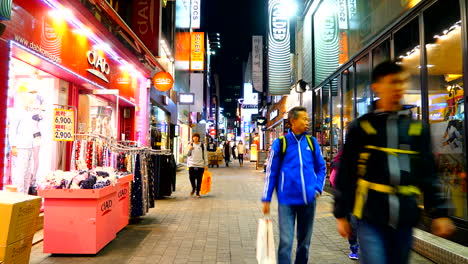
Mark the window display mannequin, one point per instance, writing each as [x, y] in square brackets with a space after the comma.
[21, 135]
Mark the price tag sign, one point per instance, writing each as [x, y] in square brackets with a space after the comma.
[64, 125]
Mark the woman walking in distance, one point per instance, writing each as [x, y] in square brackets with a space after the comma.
[240, 153]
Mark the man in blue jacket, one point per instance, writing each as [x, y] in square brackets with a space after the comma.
[296, 170]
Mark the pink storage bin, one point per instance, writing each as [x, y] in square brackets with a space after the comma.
[79, 221]
[123, 201]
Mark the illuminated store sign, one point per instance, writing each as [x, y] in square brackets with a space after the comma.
[279, 66]
[195, 14]
[100, 65]
[198, 51]
[186, 98]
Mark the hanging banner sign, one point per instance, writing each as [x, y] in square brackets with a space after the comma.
[64, 125]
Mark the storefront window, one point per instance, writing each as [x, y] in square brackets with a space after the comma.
[159, 128]
[367, 18]
[407, 51]
[335, 129]
[327, 122]
[318, 114]
[446, 99]
[381, 53]
[348, 98]
[31, 153]
[363, 98]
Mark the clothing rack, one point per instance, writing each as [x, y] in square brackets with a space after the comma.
[126, 146]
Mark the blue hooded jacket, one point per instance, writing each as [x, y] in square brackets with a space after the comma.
[299, 175]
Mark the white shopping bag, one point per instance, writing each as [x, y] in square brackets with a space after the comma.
[265, 242]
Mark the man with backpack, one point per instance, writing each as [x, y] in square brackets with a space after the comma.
[296, 170]
[197, 163]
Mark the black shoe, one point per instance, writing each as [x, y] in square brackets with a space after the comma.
[192, 192]
[198, 195]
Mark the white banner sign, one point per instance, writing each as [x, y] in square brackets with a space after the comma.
[257, 63]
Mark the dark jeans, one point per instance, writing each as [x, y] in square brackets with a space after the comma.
[353, 240]
[288, 215]
[383, 244]
[196, 176]
[241, 158]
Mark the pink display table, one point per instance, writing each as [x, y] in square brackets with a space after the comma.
[79, 221]
[123, 201]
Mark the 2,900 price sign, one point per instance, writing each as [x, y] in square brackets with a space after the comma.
[64, 125]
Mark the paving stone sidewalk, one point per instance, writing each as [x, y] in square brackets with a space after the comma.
[220, 227]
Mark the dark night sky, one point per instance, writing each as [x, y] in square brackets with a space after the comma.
[236, 21]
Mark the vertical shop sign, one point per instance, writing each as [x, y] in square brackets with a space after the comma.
[197, 51]
[146, 23]
[195, 14]
[327, 40]
[279, 64]
[343, 26]
[64, 125]
[257, 63]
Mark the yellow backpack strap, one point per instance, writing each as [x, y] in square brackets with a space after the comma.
[311, 144]
[283, 144]
[415, 129]
[367, 127]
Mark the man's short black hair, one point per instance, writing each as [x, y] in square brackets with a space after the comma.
[294, 112]
[385, 68]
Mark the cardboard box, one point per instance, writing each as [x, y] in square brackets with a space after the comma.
[16, 253]
[18, 216]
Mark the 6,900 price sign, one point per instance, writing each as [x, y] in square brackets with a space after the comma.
[64, 125]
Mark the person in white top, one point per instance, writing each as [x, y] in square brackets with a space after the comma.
[197, 163]
[240, 153]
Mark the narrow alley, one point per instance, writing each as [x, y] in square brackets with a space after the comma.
[220, 227]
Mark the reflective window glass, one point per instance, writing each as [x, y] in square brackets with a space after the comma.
[326, 124]
[348, 98]
[363, 98]
[407, 52]
[335, 128]
[446, 99]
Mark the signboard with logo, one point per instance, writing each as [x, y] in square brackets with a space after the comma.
[100, 68]
[64, 125]
[197, 51]
[163, 81]
[195, 14]
[327, 40]
[145, 23]
[279, 65]
[62, 43]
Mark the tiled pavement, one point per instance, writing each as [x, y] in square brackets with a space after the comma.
[217, 228]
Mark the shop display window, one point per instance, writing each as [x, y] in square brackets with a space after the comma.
[363, 96]
[443, 42]
[97, 116]
[30, 150]
[381, 53]
[317, 105]
[347, 80]
[335, 129]
[408, 54]
[327, 122]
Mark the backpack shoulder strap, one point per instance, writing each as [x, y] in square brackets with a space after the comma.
[311, 144]
[283, 144]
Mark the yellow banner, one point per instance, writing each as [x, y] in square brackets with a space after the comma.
[64, 125]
